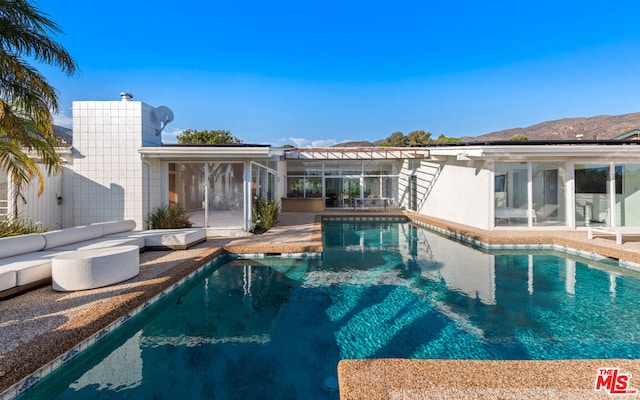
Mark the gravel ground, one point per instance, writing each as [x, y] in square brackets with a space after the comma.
[39, 325]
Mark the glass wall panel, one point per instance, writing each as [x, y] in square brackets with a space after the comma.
[549, 193]
[333, 192]
[304, 187]
[271, 192]
[510, 194]
[295, 168]
[371, 186]
[350, 190]
[340, 191]
[344, 180]
[592, 195]
[263, 181]
[226, 195]
[313, 187]
[295, 187]
[389, 187]
[342, 168]
[380, 167]
[628, 195]
[186, 187]
[313, 168]
[256, 181]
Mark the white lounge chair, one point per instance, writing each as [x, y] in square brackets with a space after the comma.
[618, 231]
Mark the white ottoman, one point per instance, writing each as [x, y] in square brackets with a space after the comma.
[88, 269]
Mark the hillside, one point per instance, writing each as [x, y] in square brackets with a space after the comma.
[602, 127]
[65, 134]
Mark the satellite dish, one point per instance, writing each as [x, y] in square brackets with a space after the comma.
[165, 115]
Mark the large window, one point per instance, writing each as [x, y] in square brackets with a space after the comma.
[548, 193]
[510, 194]
[263, 181]
[592, 195]
[304, 179]
[341, 181]
[212, 193]
[594, 179]
[529, 193]
[627, 194]
[607, 194]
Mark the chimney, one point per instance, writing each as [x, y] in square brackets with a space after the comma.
[126, 96]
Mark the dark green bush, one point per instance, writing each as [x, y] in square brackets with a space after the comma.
[18, 226]
[168, 217]
[265, 213]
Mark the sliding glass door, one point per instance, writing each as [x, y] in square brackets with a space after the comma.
[212, 193]
[510, 194]
[530, 194]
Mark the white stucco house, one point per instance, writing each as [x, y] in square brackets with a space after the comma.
[118, 168]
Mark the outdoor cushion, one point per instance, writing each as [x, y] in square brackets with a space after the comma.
[175, 238]
[111, 227]
[7, 279]
[169, 238]
[29, 267]
[14, 245]
[71, 235]
[104, 242]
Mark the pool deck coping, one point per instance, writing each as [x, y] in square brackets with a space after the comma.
[41, 326]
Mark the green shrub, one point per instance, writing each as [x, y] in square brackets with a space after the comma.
[168, 217]
[265, 213]
[18, 226]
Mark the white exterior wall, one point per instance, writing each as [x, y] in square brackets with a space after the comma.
[43, 209]
[109, 181]
[52, 208]
[67, 195]
[458, 191]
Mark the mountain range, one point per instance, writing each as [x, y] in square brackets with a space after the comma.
[602, 127]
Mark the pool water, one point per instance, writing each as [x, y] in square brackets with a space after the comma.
[275, 328]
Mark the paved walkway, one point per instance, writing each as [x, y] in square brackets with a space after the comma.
[38, 326]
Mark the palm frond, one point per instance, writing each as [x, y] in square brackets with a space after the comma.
[25, 32]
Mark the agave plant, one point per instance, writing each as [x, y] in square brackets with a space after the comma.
[168, 217]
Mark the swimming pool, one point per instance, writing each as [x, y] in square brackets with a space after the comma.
[277, 327]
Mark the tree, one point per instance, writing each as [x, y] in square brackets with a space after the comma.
[418, 137]
[192, 136]
[27, 100]
[396, 139]
[519, 138]
[443, 139]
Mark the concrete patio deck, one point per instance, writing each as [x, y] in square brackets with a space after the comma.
[37, 326]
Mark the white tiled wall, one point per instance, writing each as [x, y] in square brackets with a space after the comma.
[108, 183]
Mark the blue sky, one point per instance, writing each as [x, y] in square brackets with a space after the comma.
[319, 73]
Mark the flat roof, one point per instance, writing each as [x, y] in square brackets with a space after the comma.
[208, 151]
